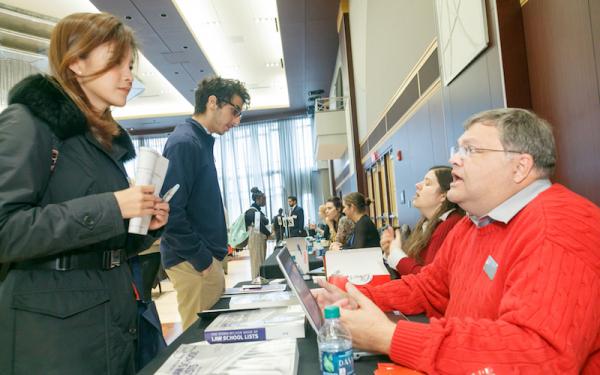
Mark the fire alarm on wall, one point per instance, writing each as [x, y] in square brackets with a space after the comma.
[399, 155]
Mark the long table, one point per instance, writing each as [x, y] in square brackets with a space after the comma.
[308, 363]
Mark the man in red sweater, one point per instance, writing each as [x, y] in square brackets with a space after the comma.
[515, 288]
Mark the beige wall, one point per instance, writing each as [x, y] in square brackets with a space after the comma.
[358, 10]
[388, 38]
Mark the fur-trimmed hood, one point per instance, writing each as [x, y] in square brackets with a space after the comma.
[47, 101]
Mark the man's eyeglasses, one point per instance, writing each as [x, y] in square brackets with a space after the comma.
[466, 151]
[237, 111]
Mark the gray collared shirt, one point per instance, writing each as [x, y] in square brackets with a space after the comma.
[510, 207]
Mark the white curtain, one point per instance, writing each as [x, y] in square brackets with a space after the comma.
[11, 72]
[275, 156]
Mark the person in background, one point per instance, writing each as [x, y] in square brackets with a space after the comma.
[297, 213]
[515, 288]
[67, 304]
[339, 226]
[320, 227]
[365, 233]
[278, 228]
[257, 222]
[195, 240]
[438, 217]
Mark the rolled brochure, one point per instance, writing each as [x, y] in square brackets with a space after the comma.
[151, 170]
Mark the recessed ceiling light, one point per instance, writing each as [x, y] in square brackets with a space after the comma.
[220, 30]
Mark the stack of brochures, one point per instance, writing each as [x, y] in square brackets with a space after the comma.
[257, 301]
[270, 357]
[257, 325]
[254, 289]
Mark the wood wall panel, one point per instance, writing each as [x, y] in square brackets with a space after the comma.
[348, 76]
[563, 72]
[514, 55]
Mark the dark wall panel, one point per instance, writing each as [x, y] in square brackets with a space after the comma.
[429, 72]
[408, 97]
[561, 38]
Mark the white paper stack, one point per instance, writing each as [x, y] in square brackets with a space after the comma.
[257, 325]
[151, 170]
[262, 300]
[277, 357]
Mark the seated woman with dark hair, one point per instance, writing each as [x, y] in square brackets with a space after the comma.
[339, 227]
[365, 233]
[438, 217]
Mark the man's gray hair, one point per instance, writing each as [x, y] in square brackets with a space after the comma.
[522, 130]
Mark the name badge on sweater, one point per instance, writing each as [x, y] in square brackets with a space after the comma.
[490, 267]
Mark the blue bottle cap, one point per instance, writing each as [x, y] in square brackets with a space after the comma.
[332, 312]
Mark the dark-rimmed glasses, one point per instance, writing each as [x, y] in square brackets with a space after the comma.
[466, 151]
[237, 111]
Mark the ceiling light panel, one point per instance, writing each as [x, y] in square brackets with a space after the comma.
[241, 40]
[152, 95]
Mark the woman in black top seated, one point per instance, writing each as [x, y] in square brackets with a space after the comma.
[365, 233]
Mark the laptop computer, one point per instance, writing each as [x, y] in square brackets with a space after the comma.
[307, 300]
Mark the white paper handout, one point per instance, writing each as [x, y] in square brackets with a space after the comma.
[151, 170]
[276, 357]
[355, 262]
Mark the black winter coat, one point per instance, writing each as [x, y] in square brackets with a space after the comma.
[62, 322]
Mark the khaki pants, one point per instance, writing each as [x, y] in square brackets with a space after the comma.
[257, 246]
[196, 292]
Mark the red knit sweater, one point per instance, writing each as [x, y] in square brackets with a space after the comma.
[539, 315]
[409, 265]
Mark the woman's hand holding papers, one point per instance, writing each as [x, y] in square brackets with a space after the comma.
[139, 201]
[370, 328]
[160, 215]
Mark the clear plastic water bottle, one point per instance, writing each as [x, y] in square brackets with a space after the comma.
[309, 244]
[335, 345]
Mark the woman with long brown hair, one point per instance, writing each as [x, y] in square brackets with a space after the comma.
[438, 217]
[340, 228]
[365, 232]
[66, 297]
